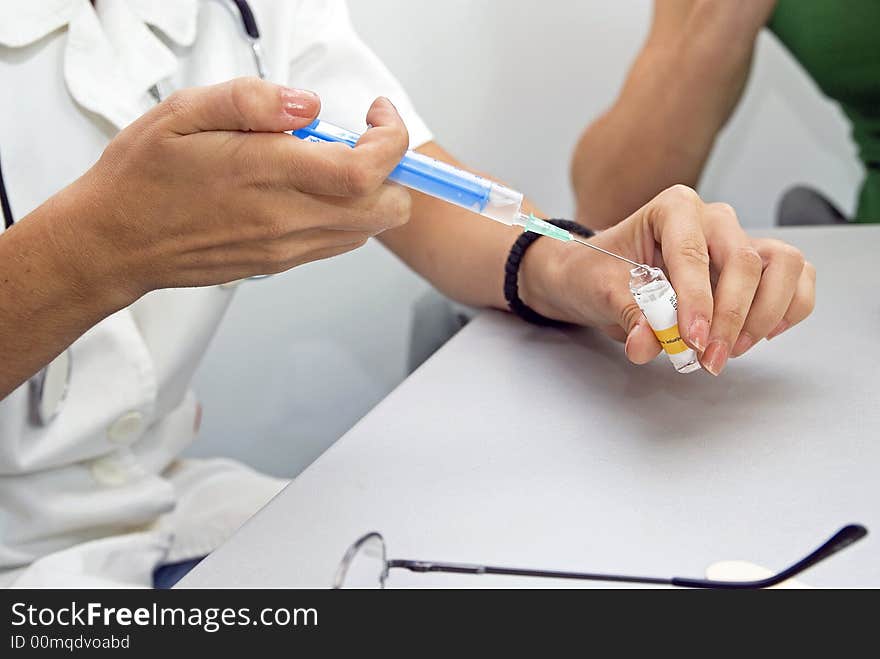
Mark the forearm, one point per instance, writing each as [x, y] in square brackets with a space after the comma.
[678, 95]
[461, 254]
[49, 293]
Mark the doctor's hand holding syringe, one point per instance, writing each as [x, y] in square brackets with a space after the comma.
[208, 187]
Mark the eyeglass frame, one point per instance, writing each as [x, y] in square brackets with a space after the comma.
[845, 537]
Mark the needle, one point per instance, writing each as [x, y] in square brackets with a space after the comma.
[605, 251]
[536, 225]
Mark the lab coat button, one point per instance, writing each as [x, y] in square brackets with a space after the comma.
[125, 428]
[108, 471]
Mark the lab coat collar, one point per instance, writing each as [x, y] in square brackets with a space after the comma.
[111, 58]
[23, 21]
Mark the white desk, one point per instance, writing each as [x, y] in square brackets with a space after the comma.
[527, 447]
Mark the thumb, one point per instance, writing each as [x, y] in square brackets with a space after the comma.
[628, 323]
[641, 345]
[242, 104]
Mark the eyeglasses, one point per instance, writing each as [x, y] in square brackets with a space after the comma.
[366, 565]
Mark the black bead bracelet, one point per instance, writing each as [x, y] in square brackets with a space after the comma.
[511, 272]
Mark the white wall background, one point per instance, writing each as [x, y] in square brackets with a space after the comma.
[506, 85]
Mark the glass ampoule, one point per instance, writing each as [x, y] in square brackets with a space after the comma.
[657, 300]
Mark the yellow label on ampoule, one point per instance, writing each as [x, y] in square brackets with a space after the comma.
[671, 340]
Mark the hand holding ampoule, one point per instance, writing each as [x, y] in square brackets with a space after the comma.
[733, 290]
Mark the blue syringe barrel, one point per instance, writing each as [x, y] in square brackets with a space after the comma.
[435, 178]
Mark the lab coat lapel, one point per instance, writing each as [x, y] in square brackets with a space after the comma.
[24, 21]
[177, 19]
[110, 64]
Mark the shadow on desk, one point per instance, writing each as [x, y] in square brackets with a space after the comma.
[692, 404]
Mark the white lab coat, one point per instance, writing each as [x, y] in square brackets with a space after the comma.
[99, 496]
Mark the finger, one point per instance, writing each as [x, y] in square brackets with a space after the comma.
[338, 170]
[802, 304]
[779, 282]
[386, 141]
[741, 268]
[386, 208]
[243, 104]
[675, 216]
[642, 346]
[320, 253]
[737, 284]
[283, 254]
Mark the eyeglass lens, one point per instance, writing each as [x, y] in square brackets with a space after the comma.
[364, 564]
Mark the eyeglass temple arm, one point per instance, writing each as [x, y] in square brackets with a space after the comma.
[465, 568]
[840, 540]
[836, 543]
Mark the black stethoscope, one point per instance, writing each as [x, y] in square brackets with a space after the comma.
[48, 388]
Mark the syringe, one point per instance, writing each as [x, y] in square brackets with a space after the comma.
[456, 186]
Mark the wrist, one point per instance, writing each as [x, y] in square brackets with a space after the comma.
[79, 251]
[542, 279]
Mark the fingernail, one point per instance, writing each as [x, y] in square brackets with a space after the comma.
[299, 103]
[715, 357]
[698, 333]
[780, 328]
[743, 344]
